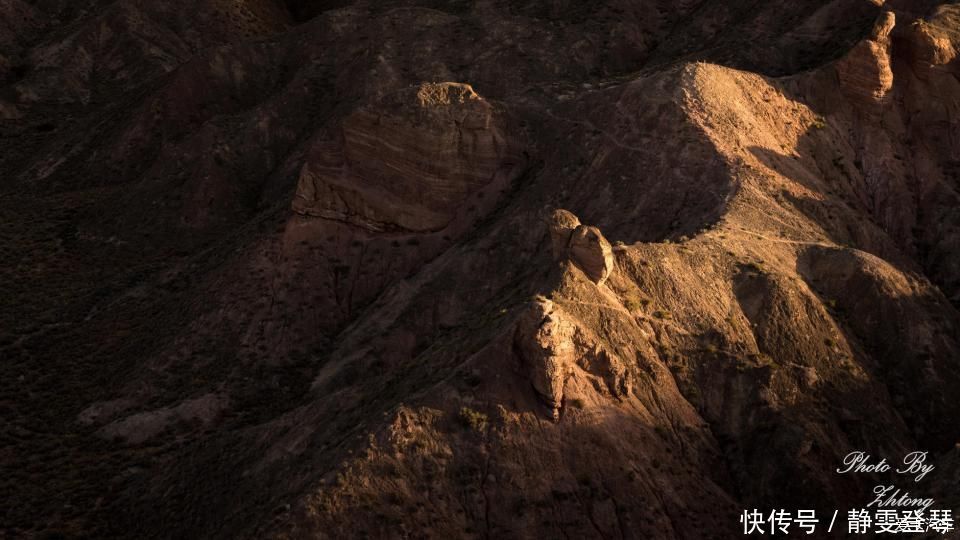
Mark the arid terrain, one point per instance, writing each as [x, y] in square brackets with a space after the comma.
[472, 268]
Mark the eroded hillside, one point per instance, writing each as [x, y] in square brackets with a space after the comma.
[471, 269]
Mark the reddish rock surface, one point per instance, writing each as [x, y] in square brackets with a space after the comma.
[317, 268]
[409, 161]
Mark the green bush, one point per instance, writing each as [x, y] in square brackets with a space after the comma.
[632, 301]
[472, 419]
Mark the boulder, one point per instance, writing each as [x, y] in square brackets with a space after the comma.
[592, 253]
[583, 245]
[562, 223]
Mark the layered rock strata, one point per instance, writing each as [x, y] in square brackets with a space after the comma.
[409, 160]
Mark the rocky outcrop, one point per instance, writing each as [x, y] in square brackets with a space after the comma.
[562, 223]
[409, 160]
[553, 345]
[140, 427]
[865, 74]
[933, 42]
[592, 253]
[583, 245]
[546, 344]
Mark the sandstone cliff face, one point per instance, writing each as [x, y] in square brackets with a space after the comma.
[904, 152]
[269, 279]
[865, 74]
[933, 42]
[409, 161]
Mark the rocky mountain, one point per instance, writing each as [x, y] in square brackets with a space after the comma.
[473, 268]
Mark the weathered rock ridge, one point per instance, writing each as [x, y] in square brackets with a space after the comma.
[410, 160]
